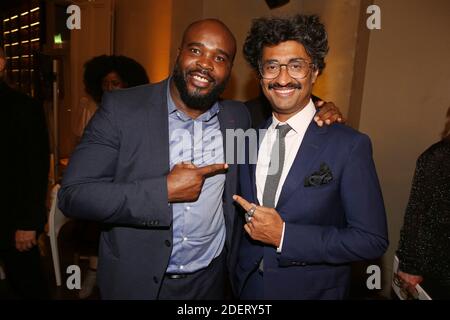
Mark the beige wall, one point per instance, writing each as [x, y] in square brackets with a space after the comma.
[143, 32]
[341, 20]
[406, 95]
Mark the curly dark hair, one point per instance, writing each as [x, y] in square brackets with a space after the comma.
[129, 70]
[305, 29]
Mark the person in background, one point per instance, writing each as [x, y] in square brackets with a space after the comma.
[106, 73]
[102, 74]
[424, 247]
[23, 216]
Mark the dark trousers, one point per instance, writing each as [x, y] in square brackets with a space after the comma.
[24, 274]
[205, 284]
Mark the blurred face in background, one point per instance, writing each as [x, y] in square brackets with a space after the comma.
[112, 81]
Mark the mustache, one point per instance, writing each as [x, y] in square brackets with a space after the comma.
[290, 85]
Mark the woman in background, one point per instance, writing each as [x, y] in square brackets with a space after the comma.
[424, 248]
[106, 73]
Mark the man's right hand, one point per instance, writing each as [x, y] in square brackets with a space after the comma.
[185, 180]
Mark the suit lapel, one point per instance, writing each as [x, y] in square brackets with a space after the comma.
[227, 121]
[158, 120]
[312, 145]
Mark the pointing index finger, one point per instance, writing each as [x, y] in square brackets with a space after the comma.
[242, 202]
[212, 169]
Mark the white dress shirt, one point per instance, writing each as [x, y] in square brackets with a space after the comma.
[299, 123]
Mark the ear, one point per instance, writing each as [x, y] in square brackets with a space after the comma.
[315, 74]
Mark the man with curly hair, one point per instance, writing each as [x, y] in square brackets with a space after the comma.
[313, 201]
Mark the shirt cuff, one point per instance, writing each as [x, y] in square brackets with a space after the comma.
[282, 238]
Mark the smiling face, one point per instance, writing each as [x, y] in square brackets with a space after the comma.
[286, 94]
[203, 65]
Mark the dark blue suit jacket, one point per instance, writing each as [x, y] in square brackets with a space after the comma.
[327, 226]
[117, 175]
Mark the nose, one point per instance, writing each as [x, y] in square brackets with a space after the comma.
[205, 63]
[283, 78]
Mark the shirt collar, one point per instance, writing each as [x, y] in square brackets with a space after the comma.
[172, 108]
[300, 121]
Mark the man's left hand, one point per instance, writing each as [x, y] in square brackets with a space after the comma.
[265, 225]
[328, 113]
[25, 240]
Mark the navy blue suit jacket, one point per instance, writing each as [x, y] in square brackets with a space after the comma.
[117, 175]
[327, 226]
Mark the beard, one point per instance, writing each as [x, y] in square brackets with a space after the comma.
[196, 100]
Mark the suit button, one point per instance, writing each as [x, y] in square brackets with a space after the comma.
[167, 242]
[303, 264]
[155, 279]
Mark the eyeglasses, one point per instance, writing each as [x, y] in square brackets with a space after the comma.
[298, 69]
[406, 291]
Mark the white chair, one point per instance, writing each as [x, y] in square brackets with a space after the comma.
[56, 220]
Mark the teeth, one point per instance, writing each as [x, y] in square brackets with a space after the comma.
[201, 79]
[285, 91]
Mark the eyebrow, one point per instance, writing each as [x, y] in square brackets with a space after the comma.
[199, 44]
[291, 60]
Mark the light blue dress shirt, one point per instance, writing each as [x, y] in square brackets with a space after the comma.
[198, 227]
